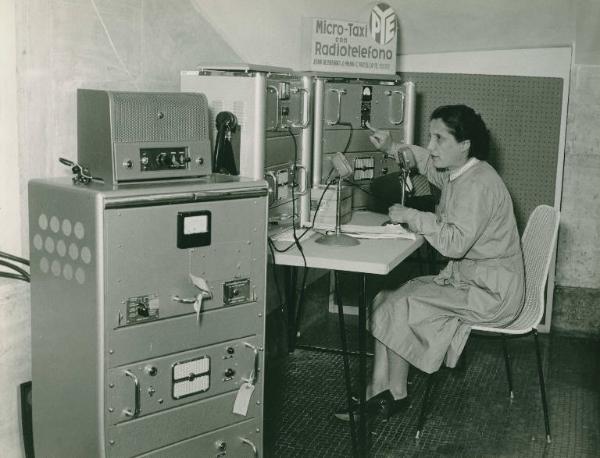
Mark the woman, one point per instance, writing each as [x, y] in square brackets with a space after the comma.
[427, 320]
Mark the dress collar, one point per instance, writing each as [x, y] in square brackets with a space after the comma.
[458, 172]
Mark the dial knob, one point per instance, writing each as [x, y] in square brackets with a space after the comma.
[151, 370]
[229, 372]
[163, 159]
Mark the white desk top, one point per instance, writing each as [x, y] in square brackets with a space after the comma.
[371, 256]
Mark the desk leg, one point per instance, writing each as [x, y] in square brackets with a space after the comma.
[290, 303]
[347, 375]
[362, 367]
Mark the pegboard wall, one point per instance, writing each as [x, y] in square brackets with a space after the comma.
[523, 116]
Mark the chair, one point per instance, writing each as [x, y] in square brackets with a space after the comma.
[538, 243]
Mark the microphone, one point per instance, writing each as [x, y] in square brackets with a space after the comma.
[341, 165]
[343, 169]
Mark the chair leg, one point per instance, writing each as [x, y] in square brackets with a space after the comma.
[425, 404]
[508, 369]
[542, 386]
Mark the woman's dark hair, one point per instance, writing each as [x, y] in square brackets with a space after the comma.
[465, 124]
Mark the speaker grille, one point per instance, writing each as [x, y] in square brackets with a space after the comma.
[159, 117]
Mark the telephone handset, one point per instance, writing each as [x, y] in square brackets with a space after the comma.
[223, 159]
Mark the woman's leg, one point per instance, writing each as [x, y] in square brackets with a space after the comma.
[380, 377]
[398, 374]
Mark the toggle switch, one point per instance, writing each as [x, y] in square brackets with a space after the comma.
[143, 309]
[221, 445]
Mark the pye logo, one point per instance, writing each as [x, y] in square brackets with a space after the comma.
[382, 23]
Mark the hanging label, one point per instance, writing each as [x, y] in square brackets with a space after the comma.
[242, 400]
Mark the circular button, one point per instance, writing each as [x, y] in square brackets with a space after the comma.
[229, 372]
[151, 370]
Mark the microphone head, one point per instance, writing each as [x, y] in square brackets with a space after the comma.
[341, 165]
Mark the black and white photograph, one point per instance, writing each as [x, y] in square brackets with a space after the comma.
[275, 229]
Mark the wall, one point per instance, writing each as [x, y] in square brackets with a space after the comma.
[9, 177]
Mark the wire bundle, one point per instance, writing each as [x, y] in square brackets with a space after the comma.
[11, 262]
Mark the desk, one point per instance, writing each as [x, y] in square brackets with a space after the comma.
[371, 256]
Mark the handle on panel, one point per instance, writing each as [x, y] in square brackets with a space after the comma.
[254, 374]
[304, 181]
[276, 91]
[136, 386]
[339, 93]
[250, 444]
[305, 107]
[401, 111]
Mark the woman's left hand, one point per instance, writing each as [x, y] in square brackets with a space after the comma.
[398, 213]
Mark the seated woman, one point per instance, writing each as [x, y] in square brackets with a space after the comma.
[427, 320]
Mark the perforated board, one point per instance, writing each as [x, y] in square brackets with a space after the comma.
[523, 114]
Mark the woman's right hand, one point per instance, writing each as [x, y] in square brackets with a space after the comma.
[381, 139]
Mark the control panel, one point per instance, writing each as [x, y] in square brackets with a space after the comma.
[164, 158]
[365, 106]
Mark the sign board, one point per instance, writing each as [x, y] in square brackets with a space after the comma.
[334, 45]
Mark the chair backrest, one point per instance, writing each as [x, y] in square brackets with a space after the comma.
[538, 243]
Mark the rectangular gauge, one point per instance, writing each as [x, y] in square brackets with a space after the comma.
[193, 229]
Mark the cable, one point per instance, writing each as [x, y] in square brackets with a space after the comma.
[293, 244]
[349, 124]
[17, 269]
[12, 257]
[274, 270]
[14, 276]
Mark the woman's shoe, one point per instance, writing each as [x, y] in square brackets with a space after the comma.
[394, 407]
[373, 406]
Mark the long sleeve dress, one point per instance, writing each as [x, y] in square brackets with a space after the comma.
[429, 318]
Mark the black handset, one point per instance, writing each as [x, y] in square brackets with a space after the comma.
[223, 159]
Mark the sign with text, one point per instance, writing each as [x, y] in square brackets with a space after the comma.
[351, 46]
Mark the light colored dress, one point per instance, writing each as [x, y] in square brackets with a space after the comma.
[428, 319]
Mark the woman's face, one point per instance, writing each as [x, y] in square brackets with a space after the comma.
[445, 151]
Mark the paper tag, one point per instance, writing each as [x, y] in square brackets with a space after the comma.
[198, 306]
[200, 283]
[242, 400]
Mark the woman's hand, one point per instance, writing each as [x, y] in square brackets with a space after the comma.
[381, 139]
[398, 213]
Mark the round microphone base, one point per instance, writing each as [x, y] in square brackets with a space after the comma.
[337, 239]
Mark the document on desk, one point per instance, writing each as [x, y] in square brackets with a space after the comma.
[288, 235]
[366, 224]
[390, 231]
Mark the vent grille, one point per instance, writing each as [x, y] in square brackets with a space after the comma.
[159, 117]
